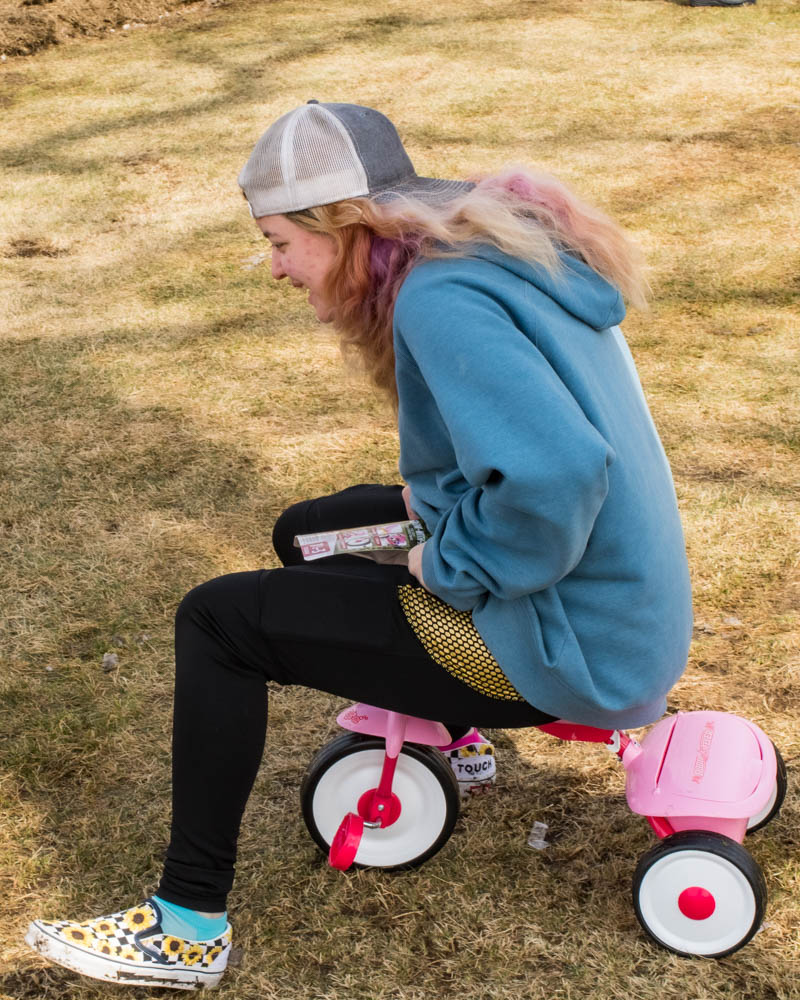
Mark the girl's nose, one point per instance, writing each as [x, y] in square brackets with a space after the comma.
[277, 270]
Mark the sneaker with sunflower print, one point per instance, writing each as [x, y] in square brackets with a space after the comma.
[473, 762]
[130, 948]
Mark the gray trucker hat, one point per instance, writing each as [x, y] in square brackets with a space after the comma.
[321, 153]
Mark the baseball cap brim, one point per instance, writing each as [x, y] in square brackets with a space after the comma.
[430, 190]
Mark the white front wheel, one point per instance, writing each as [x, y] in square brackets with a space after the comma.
[699, 893]
[423, 782]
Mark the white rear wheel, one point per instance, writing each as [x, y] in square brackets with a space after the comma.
[773, 807]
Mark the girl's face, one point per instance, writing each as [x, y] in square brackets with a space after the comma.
[305, 258]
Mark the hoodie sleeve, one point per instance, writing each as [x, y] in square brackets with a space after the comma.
[536, 468]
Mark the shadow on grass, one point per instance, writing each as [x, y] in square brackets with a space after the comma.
[242, 83]
[86, 469]
[54, 983]
[45, 154]
[151, 454]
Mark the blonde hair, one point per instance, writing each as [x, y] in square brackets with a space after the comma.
[528, 215]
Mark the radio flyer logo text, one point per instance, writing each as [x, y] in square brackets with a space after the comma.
[354, 717]
[703, 750]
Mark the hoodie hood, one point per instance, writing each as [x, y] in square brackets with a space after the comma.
[576, 288]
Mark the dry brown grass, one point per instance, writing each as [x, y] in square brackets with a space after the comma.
[162, 402]
[27, 26]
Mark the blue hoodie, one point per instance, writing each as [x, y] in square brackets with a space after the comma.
[534, 462]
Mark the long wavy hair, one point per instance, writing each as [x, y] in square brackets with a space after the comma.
[528, 215]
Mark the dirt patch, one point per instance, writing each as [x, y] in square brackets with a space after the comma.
[26, 26]
[33, 248]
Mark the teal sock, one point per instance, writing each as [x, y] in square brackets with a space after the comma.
[180, 922]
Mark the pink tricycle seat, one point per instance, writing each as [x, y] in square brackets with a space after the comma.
[371, 721]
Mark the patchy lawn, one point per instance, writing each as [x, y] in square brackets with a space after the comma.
[162, 401]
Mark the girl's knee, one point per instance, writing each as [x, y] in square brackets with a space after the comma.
[293, 521]
[215, 599]
[217, 628]
[196, 604]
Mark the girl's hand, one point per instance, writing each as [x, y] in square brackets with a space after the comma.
[415, 562]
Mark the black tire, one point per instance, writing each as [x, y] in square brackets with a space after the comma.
[429, 812]
[714, 864]
[759, 822]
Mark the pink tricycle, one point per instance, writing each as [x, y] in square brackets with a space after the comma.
[383, 796]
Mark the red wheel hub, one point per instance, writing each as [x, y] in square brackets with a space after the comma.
[376, 808]
[696, 903]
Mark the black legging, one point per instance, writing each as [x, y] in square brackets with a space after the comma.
[335, 625]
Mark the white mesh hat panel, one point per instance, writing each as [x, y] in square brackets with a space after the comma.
[306, 158]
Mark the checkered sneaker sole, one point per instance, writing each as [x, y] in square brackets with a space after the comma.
[130, 947]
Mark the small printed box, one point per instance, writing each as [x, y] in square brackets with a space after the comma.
[397, 535]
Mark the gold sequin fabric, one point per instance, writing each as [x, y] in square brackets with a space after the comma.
[451, 640]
